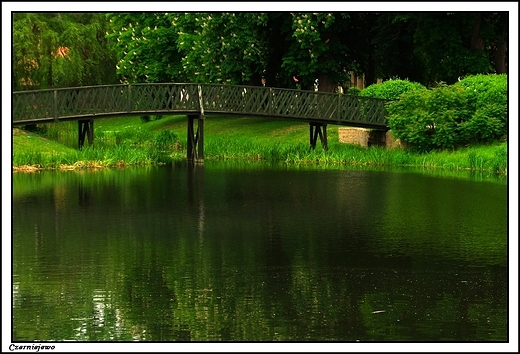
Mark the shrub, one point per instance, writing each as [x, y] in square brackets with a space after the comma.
[429, 119]
[391, 89]
[355, 91]
[487, 97]
[409, 119]
[487, 124]
[482, 90]
[474, 110]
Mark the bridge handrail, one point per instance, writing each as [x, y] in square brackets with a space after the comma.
[160, 98]
[186, 84]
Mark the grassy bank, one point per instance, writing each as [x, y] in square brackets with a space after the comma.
[128, 141]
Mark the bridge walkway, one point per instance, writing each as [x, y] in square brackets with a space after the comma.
[85, 104]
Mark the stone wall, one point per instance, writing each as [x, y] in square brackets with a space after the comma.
[368, 137]
[357, 136]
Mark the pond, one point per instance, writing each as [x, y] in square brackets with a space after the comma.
[231, 252]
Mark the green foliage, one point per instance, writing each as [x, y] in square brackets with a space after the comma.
[314, 38]
[222, 47]
[91, 58]
[429, 119]
[240, 48]
[328, 46]
[393, 48]
[471, 111]
[448, 106]
[355, 91]
[439, 46]
[487, 124]
[444, 42]
[33, 43]
[61, 50]
[487, 98]
[483, 86]
[409, 119]
[391, 89]
[482, 90]
[146, 46]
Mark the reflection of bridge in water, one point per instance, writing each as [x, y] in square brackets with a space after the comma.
[84, 104]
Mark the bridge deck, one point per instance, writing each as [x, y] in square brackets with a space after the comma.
[170, 98]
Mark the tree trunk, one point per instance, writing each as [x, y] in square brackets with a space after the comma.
[325, 83]
[501, 57]
[370, 75]
[476, 41]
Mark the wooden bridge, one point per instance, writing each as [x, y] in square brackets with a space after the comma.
[85, 104]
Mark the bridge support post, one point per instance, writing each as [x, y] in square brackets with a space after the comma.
[85, 130]
[195, 146]
[318, 130]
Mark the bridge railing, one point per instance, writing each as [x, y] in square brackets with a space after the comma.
[150, 98]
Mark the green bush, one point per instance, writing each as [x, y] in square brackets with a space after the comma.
[473, 110]
[430, 119]
[355, 91]
[410, 121]
[487, 124]
[482, 90]
[391, 89]
[487, 97]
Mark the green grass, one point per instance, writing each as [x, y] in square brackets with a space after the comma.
[129, 141]
[491, 158]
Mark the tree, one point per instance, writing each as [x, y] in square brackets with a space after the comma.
[440, 46]
[327, 46]
[61, 50]
[33, 42]
[241, 48]
[146, 47]
[394, 49]
[496, 36]
[309, 50]
[223, 47]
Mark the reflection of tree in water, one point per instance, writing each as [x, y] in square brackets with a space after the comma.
[277, 298]
[85, 195]
[151, 303]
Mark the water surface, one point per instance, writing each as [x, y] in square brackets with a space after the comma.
[232, 252]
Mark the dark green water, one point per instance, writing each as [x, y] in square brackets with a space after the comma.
[258, 253]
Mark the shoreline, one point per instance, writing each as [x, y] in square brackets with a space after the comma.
[86, 166]
[128, 142]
